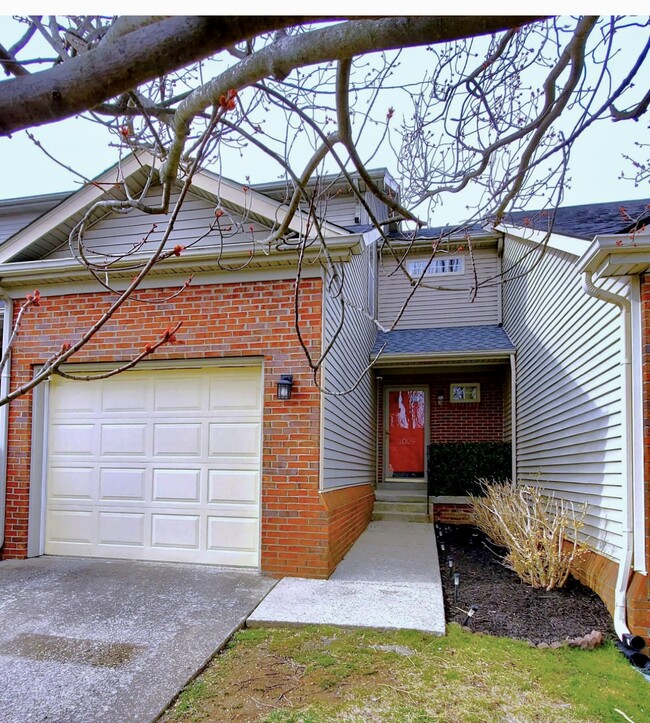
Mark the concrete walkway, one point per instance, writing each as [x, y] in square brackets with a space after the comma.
[390, 579]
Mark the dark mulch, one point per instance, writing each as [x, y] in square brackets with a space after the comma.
[505, 605]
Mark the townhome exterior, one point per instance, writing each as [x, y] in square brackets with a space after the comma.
[191, 456]
[536, 342]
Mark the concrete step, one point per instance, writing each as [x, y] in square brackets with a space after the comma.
[400, 516]
[400, 496]
[417, 507]
[421, 486]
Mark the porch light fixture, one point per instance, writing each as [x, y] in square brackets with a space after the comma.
[284, 386]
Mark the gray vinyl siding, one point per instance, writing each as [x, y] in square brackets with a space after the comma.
[117, 233]
[437, 308]
[340, 209]
[349, 420]
[568, 387]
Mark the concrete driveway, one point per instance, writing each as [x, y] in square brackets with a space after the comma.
[111, 641]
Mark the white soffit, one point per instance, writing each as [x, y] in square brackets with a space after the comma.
[617, 255]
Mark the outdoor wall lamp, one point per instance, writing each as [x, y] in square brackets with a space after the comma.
[441, 399]
[284, 386]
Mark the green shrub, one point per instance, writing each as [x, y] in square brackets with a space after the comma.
[455, 468]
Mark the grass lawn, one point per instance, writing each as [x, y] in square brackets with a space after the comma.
[322, 674]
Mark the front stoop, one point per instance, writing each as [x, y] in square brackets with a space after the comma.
[403, 502]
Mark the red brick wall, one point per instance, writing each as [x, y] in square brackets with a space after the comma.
[233, 320]
[599, 573]
[452, 422]
[452, 514]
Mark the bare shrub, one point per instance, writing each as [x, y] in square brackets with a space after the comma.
[539, 532]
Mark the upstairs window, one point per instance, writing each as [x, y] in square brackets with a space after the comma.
[447, 265]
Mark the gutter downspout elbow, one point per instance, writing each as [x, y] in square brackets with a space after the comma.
[4, 409]
[625, 562]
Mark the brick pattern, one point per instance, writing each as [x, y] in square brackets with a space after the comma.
[453, 514]
[599, 574]
[449, 422]
[302, 533]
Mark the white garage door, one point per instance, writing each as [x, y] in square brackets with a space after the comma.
[156, 465]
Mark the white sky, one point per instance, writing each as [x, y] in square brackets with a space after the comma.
[595, 166]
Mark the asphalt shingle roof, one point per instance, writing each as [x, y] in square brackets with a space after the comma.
[583, 222]
[591, 219]
[452, 340]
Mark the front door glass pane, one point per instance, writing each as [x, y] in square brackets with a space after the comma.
[406, 424]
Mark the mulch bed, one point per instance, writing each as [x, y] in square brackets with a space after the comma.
[505, 605]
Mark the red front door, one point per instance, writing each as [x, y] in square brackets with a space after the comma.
[406, 425]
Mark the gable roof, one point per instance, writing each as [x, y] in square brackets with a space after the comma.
[51, 229]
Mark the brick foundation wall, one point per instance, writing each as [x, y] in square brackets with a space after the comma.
[349, 511]
[299, 525]
[452, 514]
[599, 574]
[449, 422]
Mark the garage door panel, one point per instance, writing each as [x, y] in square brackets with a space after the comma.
[186, 394]
[151, 471]
[234, 440]
[72, 439]
[175, 531]
[70, 526]
[238, 394]
[124, 395]
[121, 528]
[176, 440]
[81, 398]
[72, 483]
[233, 486]
[177, 485]
[232, 533]
[122, 483]
[124, 440]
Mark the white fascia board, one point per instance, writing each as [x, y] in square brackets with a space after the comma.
[72, 205]
[617, 248]
[262, 205]
[567, 244]
[53, 270]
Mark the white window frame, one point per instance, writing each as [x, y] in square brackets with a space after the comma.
[446, 265]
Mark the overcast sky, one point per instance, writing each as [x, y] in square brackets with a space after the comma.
[596, 163]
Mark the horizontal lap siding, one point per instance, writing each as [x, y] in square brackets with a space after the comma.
[117, 233]
[434, 308]
[349, 419]
[568, 388]
[13, 222]
[340, 209]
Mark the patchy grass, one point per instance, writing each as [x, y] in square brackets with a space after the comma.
[320, 674]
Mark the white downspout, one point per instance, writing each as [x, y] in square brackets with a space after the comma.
[625, 562]
[4, 410]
